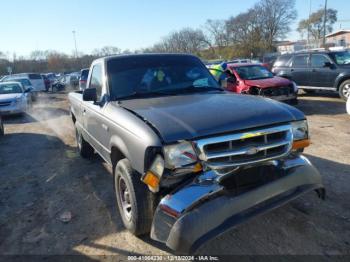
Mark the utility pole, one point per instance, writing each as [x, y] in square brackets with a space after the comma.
[324, 23]
[308, 27]
[75, 44]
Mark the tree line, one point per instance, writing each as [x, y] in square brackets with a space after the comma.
[250, 33]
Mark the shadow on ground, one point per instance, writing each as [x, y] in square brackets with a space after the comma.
[318, 105]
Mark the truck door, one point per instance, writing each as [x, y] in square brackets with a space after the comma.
[95, 124]
[300, 70]
[322, 75]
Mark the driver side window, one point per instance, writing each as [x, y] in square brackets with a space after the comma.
[96, 80]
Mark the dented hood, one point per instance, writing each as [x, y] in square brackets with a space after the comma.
[186, 117]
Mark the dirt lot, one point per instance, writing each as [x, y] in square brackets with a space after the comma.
[42, 176]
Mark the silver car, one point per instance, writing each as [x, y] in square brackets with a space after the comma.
[13, 98]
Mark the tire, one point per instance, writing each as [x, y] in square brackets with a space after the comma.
[344, 90]
[84, 148]
[135, 201]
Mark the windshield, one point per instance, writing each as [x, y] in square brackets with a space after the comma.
[10, 89]
[253, 72]
[342, 58]
[23, 81]
[158, 75]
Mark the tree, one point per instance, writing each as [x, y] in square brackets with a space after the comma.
[256, 30]
[187, 40]
[315, 24]
[275, 17]
[217, 32]
[106, 51]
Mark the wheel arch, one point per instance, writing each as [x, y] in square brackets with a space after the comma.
[340, 79]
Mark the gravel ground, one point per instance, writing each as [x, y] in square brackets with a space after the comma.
[42, 177]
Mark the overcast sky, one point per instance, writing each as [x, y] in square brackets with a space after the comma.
[42, 24]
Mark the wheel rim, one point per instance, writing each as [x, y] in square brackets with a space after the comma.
[124, 196]
[346, 90]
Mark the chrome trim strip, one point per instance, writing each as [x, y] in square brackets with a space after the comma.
[245, 150]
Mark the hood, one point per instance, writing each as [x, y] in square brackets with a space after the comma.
[268, 82]
[9, 97]
[187, 117]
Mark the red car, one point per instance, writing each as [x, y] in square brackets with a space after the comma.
[256, 79]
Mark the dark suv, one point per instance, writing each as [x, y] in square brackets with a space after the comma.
[317, 70]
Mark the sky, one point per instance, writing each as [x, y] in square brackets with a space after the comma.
[48, 24]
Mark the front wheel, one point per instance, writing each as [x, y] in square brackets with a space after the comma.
[135, 201]
[344, 90]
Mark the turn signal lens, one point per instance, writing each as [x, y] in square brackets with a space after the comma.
[197, 168]
[151, 180]
[301, 144]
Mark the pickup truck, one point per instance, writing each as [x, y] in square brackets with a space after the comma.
[190, 160]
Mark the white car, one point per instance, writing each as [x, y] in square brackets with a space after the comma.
[13, 98]
[27, 85]
[36, 80]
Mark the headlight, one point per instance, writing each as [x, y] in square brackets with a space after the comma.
[300, 130]
[179, 155]
[300, 135]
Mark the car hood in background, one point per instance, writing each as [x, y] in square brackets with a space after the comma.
[268, 82]
[198, 115]
[9, 97]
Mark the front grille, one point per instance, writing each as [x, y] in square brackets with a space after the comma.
[245, 148]
[5, 103]
[277, 91]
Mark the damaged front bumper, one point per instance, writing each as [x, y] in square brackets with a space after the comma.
[211, 204]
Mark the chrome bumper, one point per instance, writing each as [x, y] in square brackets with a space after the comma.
[204, 208]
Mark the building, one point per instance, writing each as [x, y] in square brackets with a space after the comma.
[289, 46]
[339, 38]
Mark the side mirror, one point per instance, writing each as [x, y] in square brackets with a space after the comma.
[90, 94]
[29, 89]
[328, 64]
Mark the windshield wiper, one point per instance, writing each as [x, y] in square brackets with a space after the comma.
[143, 95]
[193, 88]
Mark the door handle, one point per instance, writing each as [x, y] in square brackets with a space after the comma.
[292, 70]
